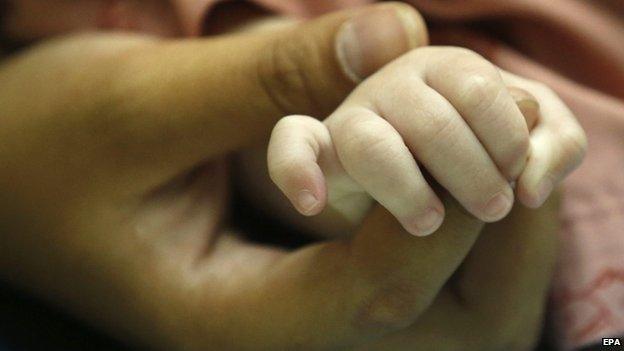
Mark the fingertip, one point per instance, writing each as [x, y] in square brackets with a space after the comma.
[361, 48]
[425, 223]
[534, 197]
[310, 198]
[304, 186]
[307, 203]
[498, 206]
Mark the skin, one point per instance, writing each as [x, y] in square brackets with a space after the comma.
[451, 111]
[100, 216]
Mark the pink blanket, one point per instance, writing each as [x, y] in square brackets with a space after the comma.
[575, 46]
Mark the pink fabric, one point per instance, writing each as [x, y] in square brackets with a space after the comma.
[193, 12]
[576, 46]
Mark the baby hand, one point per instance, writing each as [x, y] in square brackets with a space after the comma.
[447, 110]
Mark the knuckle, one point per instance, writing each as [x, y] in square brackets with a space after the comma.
[543, 88]
[460, 53]
[437, 128]
[480, 91]
[309, 129]
[292, 122]
[463, 58]
[286, 123]
[364, 142]
[393, 307]
[283, 76]
[358, 135]
[478, 85]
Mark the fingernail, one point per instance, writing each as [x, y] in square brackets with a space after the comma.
[306, 201]
[376, 36]
[498, 206]
[544, 189]
[428, 223]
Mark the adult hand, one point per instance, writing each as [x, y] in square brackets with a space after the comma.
[497, 298]
[96, 127]
[151, 108]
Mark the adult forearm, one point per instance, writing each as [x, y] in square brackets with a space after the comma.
[127, 97]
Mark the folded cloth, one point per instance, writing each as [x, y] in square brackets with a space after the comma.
[575, 46]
